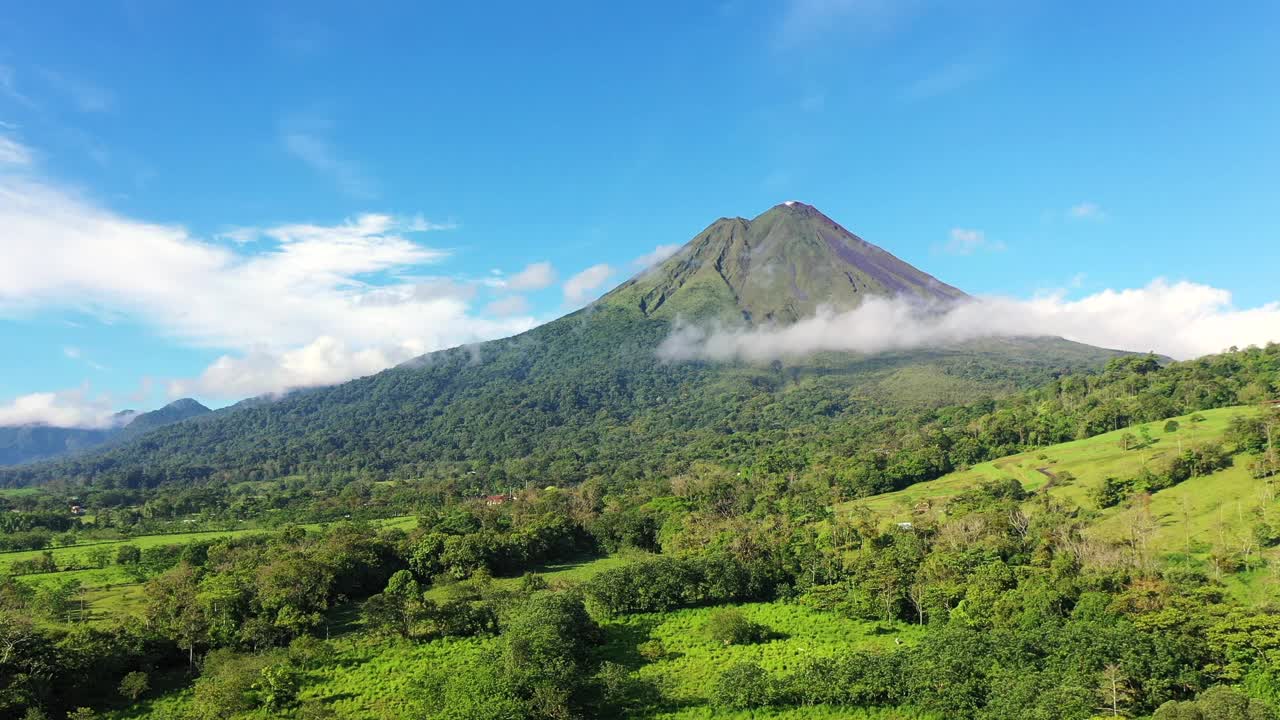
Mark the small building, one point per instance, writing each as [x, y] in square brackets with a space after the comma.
[906, 526]
[492, 500]
[77, 510]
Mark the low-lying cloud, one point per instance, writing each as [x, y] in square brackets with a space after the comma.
[67, 408]
[1181, 320]
[584, 286]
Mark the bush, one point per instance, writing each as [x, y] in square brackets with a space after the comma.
[1218, 703]
[730, 627]
[134, 685]
[652, 650]
[1171, 426]
[744, 686]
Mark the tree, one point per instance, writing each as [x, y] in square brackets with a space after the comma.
[128, 555]
[1115, 690]
[134, 685]
[173, 608]
[1109, 493]
[1171, 426]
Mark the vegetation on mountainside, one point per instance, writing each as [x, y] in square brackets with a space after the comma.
[1000, 604]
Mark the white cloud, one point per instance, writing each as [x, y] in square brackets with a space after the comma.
[324, 361]
[1182, 320]
[508, 306]
[581, 287]
[660, 253]
[319, 154]
[13, 152]
[967, 242]
[71, 352]
[1086, 211]
[536, 276]
[347, 284]
[67, 408]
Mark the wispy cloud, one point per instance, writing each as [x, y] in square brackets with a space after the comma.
[536, 276]
[657, 255]
[9, 87]
[1182, 319]
[1086, 211]
[319, 154]
[72, 352]
[806, 21]
[947, 79]
[582, 287]
[85, 96]
[13, 152]
[967, 242]
[508, 306]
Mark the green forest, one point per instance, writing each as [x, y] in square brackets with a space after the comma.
[760, 568]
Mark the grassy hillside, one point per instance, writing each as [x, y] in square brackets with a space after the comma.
[1191, 517]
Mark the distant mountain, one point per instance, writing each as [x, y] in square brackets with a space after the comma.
[176, 411]
[587, 395]
[28, 443]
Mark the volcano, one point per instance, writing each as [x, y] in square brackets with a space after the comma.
[587, 395]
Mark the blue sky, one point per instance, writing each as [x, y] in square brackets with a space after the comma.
[225, 199]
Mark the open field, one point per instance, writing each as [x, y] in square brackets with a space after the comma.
[1089, 460]
[1191, 514]
[695, 660]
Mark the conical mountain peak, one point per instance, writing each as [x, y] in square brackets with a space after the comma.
[777, 267]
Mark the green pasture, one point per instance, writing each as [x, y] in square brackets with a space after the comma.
[694, 660]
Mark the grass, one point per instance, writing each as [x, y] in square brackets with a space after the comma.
[1090, 460]
[694, 660]
[557, 575]
[1191, 517]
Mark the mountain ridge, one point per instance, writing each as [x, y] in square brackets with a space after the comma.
[35, 441]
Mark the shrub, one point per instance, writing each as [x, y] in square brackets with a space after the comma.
[1171, 426]
[744, 686]
[730, 627]
[652, 650]
[134, 685]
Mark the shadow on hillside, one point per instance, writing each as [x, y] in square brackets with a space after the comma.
[622, 643]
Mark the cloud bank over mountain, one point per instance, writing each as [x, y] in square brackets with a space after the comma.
[1181, 319]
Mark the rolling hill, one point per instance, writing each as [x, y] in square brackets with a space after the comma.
[587, 395]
